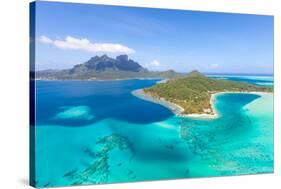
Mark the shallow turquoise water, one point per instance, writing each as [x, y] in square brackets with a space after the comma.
[264, 80]
[97, 132]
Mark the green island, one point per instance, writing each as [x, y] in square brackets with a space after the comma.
[192, 94]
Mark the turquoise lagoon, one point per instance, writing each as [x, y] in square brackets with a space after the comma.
[90, 132]
[264, 80]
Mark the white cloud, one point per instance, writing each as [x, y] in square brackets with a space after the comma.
[154, 63]
[214, 66]
[44, 39]
[85, 45]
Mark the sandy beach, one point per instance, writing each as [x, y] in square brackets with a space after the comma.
[173, 107]
[177, 110]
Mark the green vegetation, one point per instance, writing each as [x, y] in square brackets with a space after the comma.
[104, 75]
[193, 92]
[105, 68]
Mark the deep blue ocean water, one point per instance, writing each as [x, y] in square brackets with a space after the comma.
[106, 99]
[91, 132]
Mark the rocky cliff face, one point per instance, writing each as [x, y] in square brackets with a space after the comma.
[105, 63]
[105, 68]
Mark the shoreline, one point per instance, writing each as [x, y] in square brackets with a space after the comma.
[139, 93]
[125, 79]
[177, 110]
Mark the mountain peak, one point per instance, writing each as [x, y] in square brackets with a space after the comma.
[123, 57]
[93, 58]
[195, 73]
[104, 62]
[105, 57]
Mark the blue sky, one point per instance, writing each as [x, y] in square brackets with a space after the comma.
[159, 39]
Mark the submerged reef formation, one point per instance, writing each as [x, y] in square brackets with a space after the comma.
[215, 145]
[74, 113]
[99, 170]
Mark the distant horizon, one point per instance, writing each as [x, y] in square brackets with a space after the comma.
[206, 73]
[158, 39]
